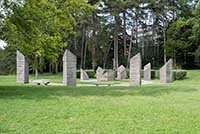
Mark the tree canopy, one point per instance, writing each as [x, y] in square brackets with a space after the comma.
[103, 33]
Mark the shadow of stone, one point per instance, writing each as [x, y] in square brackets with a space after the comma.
[43, 92]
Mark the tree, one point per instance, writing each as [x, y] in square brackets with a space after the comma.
[41, 29]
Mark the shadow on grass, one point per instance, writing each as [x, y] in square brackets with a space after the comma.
[42, 92]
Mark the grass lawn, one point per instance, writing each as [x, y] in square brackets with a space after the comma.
[150, 109]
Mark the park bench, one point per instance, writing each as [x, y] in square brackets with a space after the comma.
[99, 84]
[41, 82]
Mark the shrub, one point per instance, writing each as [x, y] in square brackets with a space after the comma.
[155, 74]
[78, 74]
[91, 73]
[179, 74]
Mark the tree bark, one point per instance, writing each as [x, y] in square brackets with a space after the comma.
[136, 30]
[93, 49]
[130, 48]
[36, 73]
[106, 57]
[164, 36]
[124, 32]
[82, 45]
[35, 67]
[56, 67]
[116, 43]
[85, 52]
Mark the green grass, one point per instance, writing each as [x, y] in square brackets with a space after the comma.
[150, 109]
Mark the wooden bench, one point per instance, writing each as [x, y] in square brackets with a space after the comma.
[41, 82]
[108, 84]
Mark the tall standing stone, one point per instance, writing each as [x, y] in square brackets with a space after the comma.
[22, 68]
[99, 74]
[135, 70]
[84, 75]
[166, 74]
[121, 73]
[69, 68]
[147, 72]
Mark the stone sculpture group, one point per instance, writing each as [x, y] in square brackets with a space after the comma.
[69, 68]
[69, 71]
[104, 75]
[166, 74]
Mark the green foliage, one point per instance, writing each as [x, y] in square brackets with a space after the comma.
[95, 30]
[177, 74]
[180, 42]
[183, 38]
[40, 29]
[179, 37]
[91, 74]
[7, 61]
[180, 74]
[154, 74]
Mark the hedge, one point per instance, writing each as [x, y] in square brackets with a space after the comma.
[155, 74]
[179, 74]
[91, 73]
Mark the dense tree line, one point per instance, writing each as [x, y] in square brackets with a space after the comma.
[103, 33]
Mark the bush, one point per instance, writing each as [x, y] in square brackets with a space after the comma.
[155, 74]
[179, 74]
[91, 73]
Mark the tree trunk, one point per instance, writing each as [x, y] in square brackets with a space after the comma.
[175, 65]
[50, 69]
[85, 52]
[136, 30]
[143, 44]
[165, 56]
[35, 67]
[124, 32]
[165, 53]
[56, 67]
[116, 43]
[82, 45]
[106, 57]
[130, 48]
[36, 73]
[185, 58]
[154, 38]
[93, 49]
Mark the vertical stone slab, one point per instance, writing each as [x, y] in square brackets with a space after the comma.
[135, 70]
[84, 75]
[69, 68]
[121, 73]
[99, 73]
[166, 74]
[22, 69]
[147, 72]
[109, 75]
